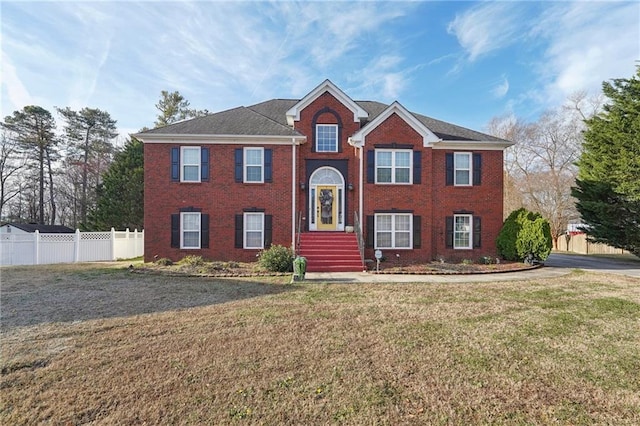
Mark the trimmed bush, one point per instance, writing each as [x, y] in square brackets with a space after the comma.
[525, 236]
[277, 259]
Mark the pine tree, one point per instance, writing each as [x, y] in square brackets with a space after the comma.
[608, 185]
[120, 196]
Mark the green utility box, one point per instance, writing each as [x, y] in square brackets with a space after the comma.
[299, 268]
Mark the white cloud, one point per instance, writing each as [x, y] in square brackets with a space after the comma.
[588, 43]
[17, 93]
[502, 88]
[486, 27]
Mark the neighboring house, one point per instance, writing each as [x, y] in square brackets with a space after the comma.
[29, 228]
[226, 185]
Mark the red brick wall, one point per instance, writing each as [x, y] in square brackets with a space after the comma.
[484, 200]
[349, 127]
[222, 198]
[415, 197]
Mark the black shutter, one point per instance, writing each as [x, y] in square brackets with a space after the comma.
[449, 232]
[338, 136]
[417, 167]
[449, 168]
[175, 163]
[239, 230]
[477, 227]
[417, 232]
[204, 231]
[371, 166]
[175, 230]
[238, 163]
[204, 164]
[268, 230]
[268, 165]
[370, 231]
[477, 169]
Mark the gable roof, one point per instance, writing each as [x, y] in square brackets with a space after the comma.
[269, 119]
[359, 113]
[43, 229]
[428, 136]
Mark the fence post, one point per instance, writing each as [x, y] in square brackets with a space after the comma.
[36, 248]
[134, 251]
[76, 246]
[113, 244]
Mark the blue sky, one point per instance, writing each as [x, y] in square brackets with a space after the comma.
[462, 62]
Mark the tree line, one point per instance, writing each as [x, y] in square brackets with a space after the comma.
[76, 176]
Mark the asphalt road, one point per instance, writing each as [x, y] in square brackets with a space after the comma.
[592, 263]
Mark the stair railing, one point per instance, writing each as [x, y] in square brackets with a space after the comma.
[298, 233]
[358, 230]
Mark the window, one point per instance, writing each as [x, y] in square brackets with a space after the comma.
[462, 232]
[462, 166]
[190, 230]
[253, 230]
[190, 167]
[393, 166]
[326, 138]
[393, 230]
[253, 165]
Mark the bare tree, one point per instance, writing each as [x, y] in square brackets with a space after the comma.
[11, 162]
[540, 167]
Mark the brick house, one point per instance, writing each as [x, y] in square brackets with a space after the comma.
[305, 172]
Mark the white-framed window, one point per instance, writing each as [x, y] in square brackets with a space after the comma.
[394, 230]
[253, 230]
[462, 235]
[462, 169]
[190, 230]
[254, 165]
[190, 164]
[394, 166]
[326, 138]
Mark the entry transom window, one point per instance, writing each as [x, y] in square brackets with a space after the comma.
[462, 166]
[190, 230]
[254, 165]
[190, 167]
[253, 230]
[393, 166]
[326, 138]
[393, 230]
[462, 232]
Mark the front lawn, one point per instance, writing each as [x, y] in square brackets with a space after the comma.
[215, 351]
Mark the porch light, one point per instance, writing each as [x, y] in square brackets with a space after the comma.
[350, 186]
[303, 186]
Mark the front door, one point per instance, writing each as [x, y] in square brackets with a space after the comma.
[326, 207]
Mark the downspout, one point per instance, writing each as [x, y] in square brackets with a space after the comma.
[294, 179]
[360, 186]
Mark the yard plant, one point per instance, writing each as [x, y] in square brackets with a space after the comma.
[525, 236]
[150, 349]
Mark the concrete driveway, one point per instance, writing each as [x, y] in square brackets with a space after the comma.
[630, 268]
[555, 266]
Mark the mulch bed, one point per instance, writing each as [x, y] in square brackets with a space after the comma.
[444, 268]
[240, 269]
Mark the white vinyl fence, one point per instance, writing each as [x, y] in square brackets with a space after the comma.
[37, 248]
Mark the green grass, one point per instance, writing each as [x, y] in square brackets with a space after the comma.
[556, 351]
